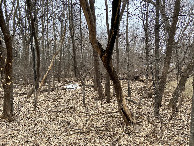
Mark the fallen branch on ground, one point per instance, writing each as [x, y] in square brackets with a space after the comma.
[44, 78]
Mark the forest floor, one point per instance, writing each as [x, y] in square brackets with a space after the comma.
[61, 119]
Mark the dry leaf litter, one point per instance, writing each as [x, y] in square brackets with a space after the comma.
[62, 119]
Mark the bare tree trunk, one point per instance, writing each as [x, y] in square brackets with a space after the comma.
[2, 61]
[81, 36]
[82, 58]
[157, 41]
[191, 139]
[68, 56]
[96, 60]
[55, 46]
[128, 57]
[107, 84]
[63, 33]
[25, 44]
[72, 32]
[167, 59]
[117, 53]
[97, 75]
[36, 57]
[181, 86]
[145, 27]
[43, 38]
[8, 84]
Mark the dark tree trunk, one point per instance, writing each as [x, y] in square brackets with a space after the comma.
[107, 84]
[8, 70]
[107, 88]
[157, 40]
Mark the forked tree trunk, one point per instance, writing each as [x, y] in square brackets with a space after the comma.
[167, 59]
[8, 84]
[106, 55]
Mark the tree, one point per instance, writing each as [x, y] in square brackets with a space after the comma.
[127, 48]
[146, 30]
[107, 84]
[8, 70]
[168, 54]
[97, 78]
[72, 33]
[191, 139]
[187, 71]
[36, 56]
[157, 41]
[106, 55]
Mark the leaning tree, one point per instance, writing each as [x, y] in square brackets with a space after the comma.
[106, 54]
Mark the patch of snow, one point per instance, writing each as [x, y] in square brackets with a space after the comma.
[73, 86]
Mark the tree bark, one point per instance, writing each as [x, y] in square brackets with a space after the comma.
[8, 84]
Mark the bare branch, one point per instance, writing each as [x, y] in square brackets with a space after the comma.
[150, 1]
